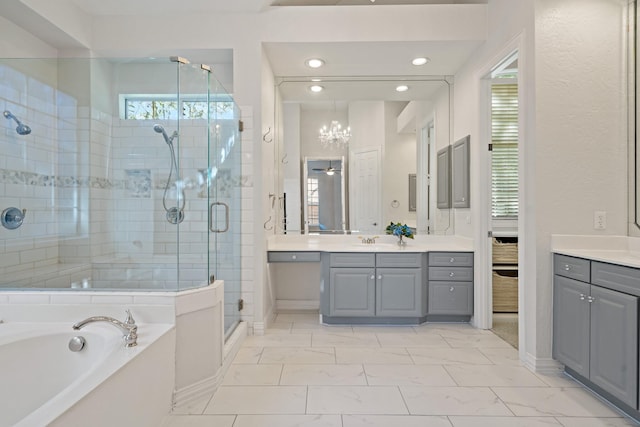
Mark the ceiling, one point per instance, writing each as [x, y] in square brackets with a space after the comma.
[342, 59]
[164, 7]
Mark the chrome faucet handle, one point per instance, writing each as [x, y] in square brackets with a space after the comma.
[129, 320]
[131, 338]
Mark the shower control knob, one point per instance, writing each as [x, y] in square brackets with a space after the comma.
[12, 218]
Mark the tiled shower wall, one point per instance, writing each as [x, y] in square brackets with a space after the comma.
[92, 185]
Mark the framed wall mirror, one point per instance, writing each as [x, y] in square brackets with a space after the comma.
[386, 134]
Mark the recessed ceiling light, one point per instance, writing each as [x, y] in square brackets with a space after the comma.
[420, 60]
[402, 88]
[316, 80]
[316, 88]
[314, 63]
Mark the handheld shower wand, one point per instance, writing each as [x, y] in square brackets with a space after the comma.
[168, 139]
[175, 214]
[22, 129]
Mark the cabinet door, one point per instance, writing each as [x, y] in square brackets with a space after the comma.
[444, 178]
[455, 298]
[614, 343]
[399, 292]
[352, 292]
[460, 173]
[571, 324]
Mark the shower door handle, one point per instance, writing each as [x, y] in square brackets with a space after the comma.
[226, 217]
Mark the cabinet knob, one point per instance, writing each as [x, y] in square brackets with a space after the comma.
[373, 277]
[452, 260]
[452, 274]
[451, 289]
[294, 257]
[566, 267]
[380, 277]
[590, 299]
[582, 296]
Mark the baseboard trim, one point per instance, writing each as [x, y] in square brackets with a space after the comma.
[545, 365]
[285, 304]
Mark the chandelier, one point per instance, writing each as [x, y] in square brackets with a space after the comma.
[334, 135]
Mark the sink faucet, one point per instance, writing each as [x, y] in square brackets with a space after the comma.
[128, 327]
[369, 240]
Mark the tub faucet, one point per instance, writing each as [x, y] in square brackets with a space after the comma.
[128, 327]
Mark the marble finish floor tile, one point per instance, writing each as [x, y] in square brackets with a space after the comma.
[253, 375]
[199, 421]
[278, 340]
[453, 401]
[494, 375]
[394, 421]
[304, 355]
[565, 402]
[448, 356]
[326, 339]
[304, 374]
[504, 422]
[355, 400]
[595, 422]
[369, 355]
[288, 421]
[258, 400]
[430, 375]
[248, 355]
[502, 356]
[323, 375]
[412, 340]
[477, 341]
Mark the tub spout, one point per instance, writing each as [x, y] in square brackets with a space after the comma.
[128, 327]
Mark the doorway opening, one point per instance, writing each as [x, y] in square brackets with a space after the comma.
[503, 148]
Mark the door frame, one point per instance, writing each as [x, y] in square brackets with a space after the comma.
[484, 268]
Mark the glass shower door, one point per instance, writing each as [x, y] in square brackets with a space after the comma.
[224, 175]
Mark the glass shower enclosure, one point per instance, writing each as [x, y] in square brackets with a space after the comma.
[119, 175]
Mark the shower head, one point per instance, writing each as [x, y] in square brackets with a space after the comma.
[160, 129]
[22, 129]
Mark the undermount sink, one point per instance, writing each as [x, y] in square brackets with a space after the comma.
[376, 245]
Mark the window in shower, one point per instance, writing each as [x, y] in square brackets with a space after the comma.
[159, 107]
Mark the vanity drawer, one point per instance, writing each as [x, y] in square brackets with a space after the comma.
[454, 259]
[616, 277]
[293, 256]
[571, 267]
[464, 274]
[352, 259]
[399, 260]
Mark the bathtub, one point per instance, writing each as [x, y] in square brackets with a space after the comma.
[104, 384]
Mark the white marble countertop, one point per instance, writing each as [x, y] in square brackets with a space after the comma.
[621, 250]
[353, 243]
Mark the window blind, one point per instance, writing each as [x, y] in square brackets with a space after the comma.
[504, 156]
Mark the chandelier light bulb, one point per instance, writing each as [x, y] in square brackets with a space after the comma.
[334, 135]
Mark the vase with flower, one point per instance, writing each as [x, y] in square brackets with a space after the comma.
[400, 231]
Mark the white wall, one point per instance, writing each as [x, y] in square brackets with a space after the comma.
[573, 146]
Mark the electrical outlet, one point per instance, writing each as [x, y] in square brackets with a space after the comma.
[599, 220]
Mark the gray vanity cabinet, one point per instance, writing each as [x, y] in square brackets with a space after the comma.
[352, 292]
[595, 329]
[450, 284]
[374, 286]
[399, 292]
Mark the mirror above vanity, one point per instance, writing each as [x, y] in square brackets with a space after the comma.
[356, 153]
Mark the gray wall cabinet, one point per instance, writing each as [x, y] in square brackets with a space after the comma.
[444, 178]
[595, 328]
[460, 173]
